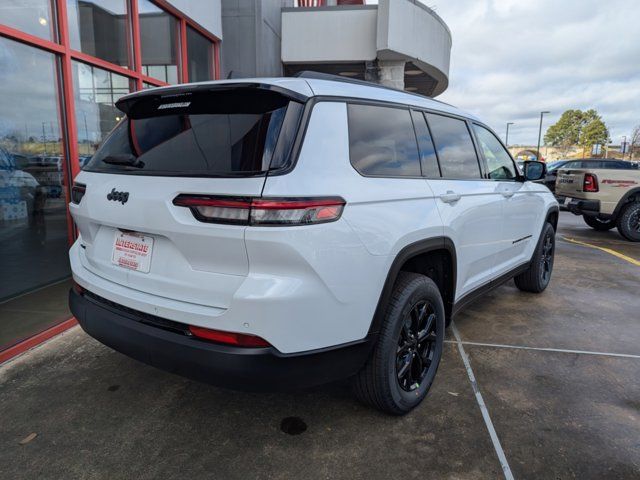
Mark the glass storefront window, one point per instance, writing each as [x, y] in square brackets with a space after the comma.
[200, 55]
[100, 28]
[34, 161]
[33, 223]
[96, 92]
[165, 73]
[30, 16]
[159, 42]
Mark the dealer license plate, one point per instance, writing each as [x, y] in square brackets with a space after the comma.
[132, 250]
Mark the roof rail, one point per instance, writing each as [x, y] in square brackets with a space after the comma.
[337, 78]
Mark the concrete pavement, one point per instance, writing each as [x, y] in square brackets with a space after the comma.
[557, 414]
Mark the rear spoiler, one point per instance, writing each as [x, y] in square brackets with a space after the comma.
[154, 98]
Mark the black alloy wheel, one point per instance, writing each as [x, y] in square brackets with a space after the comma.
[405, 358]
[634, 221]
[546, 259]
[629, 221]
[538, 276]
[416, 346]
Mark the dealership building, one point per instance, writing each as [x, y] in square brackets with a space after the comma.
[64, 64]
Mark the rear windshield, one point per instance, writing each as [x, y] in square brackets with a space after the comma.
[230, 133]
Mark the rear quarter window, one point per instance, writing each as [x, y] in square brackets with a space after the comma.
[456, 152]
[382, 141]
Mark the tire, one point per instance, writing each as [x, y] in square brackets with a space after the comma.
[629, 221]
[536, 278]
[415, 310]
[600, 224]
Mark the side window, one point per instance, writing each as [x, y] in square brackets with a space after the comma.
[575, 164]
[428, 158]
[382, 141]
[499, 163]
[454, 146]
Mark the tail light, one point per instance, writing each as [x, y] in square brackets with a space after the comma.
[262, 211]
[77, 192]
[590, 183]
[229, 338]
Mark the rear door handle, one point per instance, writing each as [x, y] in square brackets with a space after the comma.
[450, 197]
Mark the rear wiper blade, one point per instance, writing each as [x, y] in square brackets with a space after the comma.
[123, 159]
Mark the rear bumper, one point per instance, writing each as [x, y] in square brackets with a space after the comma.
[580, 207]
[252, 369]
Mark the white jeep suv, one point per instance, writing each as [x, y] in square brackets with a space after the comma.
[282, 233]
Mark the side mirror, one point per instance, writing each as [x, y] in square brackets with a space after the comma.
[534, 170]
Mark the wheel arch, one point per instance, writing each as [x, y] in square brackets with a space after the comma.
[433, 257]
[630, 196]
[552, 217]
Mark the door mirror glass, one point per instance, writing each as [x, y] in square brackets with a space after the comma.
[534, 170]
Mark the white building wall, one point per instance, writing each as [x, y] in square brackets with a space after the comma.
[329, 35]
[391, 33]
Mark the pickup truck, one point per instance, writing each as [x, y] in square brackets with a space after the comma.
[605, 198]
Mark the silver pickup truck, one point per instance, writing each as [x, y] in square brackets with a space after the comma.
[605, 198]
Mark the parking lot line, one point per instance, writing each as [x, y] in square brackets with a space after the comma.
[545, 349]
[610, 251]
[483, 408]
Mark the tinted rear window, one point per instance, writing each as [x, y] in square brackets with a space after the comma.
[382, 141]
[455, 148]
[211, 134]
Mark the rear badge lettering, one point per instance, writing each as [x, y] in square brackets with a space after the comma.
[116, 196]
[174, 105]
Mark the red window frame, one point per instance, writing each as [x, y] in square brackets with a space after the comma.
[69, 133]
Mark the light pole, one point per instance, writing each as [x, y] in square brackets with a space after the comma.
[506, 138]
[539, 135]
[623, 146]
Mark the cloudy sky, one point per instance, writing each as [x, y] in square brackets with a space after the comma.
[513, 58]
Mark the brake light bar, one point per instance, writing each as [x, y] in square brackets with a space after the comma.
[262, 211]
[590, 183]
[217, 209]
[229, 338]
